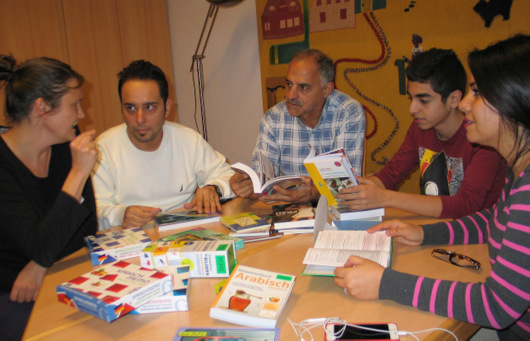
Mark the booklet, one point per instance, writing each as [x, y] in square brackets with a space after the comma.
[253, 297]
[330, 172]
[172, 220]
[300, 217]
[226, 334]
[264, 179]
[246, 222]
[332, 249]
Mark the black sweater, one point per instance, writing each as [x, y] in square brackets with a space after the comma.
[38, 221]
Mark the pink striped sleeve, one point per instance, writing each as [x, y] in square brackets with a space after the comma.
[469, 310]
[450, 312]
[432, 303]
[487, 308]
[417, 290]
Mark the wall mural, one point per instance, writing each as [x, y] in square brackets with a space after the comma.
[344, 28]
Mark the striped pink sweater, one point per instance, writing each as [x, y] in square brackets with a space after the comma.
[503, 300]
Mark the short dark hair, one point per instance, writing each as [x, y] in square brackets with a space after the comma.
[144, 70]
[42, 77]
[441, 69]
[324, 63]
[502, 76]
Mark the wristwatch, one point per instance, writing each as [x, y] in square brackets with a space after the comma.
[217, 190]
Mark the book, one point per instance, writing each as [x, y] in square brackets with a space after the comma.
[113, 290]
[201, 233]
[172, 220]
[330, 172]
[206, 258]
[116, 245]
[245, 222]
[288, 217]
[332, 249]
[174, 300]
[226, 334]
[253, 297]
[264, 178]
[338, 212]
[357, 224]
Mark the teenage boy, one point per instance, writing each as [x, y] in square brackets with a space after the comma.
[457, 177]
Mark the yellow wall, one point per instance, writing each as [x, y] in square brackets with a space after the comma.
[443, 24]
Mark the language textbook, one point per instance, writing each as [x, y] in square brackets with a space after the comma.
[253, 297]
[332, 249]
[116, 245]
[263, 179]
[201, 233]
[330, 172]
[172, 220]
[174, 300]
[227, 334]
[207, 258]
[113, 290]
[298, 218]
[245, 222]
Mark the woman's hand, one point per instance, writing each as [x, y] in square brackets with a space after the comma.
[27, 285]
[360, 277]
[402, 232]
[84, 152]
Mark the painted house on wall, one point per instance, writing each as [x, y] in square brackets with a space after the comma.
[328, 15]
[282, 19]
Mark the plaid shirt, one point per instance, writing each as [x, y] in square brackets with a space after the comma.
[284, 139]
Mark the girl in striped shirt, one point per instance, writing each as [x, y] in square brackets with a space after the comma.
[497, 114]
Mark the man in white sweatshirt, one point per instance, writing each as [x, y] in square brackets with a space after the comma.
[149, 165]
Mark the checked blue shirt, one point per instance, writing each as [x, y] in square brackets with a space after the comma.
[284, 139]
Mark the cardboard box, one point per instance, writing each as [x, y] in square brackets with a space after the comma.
[175, 300]
[113, 290]
[116, 245]
[209, 258]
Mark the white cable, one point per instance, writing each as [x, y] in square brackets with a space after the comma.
[306, 325]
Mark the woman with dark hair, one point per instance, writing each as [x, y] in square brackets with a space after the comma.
[497, 110]
[47, 203]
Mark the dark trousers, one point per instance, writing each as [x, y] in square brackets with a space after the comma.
[13, 318]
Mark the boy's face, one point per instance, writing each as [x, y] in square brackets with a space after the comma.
[426, 106]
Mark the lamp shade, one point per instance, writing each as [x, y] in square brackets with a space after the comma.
[224, 3]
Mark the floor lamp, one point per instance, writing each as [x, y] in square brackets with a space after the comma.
[196, 64]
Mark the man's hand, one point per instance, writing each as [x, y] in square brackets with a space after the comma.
[304, 193]
[360, 277]
[242, 186]
[27, 285]
[366, 196]
[206, 200]
[136, 216]
[404, 233]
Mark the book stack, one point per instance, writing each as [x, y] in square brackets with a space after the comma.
[346, 219]
[293, 218]
[178, 219]
[114, 289]
[245, 224]
[201, 233]
[116, 245]
[253, 297]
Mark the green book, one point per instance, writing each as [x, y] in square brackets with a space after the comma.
[201, 233]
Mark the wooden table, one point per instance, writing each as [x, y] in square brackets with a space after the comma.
[312, 297]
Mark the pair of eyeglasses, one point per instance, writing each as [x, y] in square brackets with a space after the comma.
[455, 258]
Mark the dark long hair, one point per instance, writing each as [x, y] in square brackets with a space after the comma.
[502, 76]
